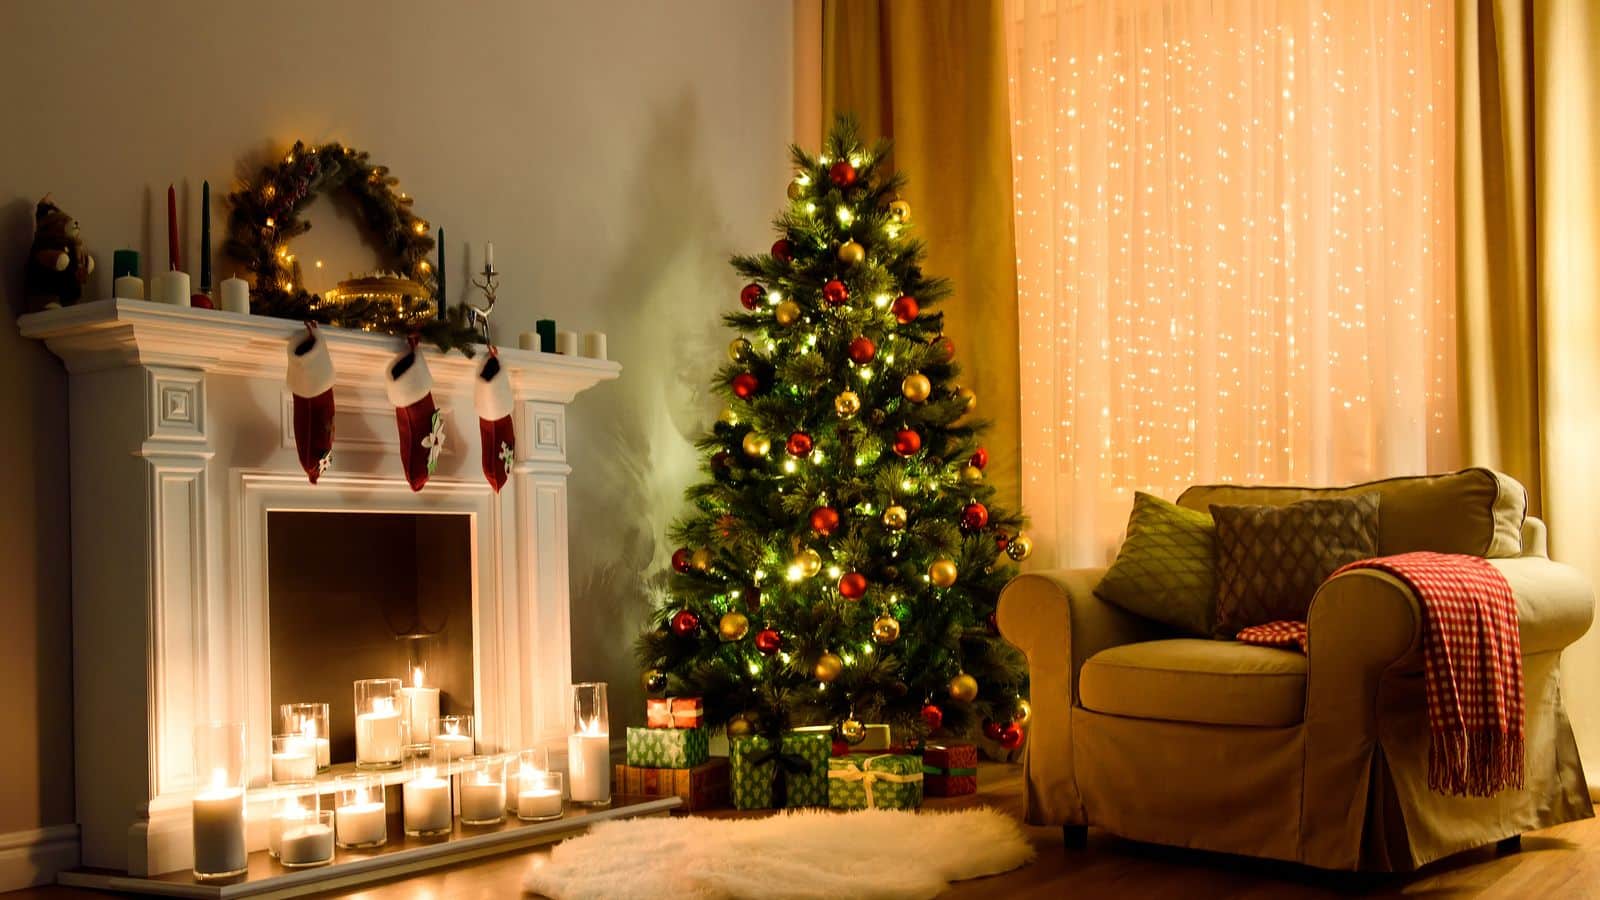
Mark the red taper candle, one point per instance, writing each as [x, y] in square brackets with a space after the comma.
[173, 261]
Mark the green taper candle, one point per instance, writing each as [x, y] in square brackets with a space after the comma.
[205, 237]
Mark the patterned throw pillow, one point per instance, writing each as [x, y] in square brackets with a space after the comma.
[1272, 559]
[1165, 568]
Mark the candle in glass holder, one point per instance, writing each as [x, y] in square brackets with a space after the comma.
[361, 819]
[294, 758]
[310, 721]
[295, 803]
[454, 739]
[378, 744]
[538, 796]
[426, 801]
[420, 705]
[218, 808]
[483, 790]
[589, 746]
[308, 842]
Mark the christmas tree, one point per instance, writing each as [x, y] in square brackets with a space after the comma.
[842, 558]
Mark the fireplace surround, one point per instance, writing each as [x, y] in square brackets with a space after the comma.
[182, 453]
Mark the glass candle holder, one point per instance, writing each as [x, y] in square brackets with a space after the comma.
[218, 806]
[452, 740]
[310, 721]
[539, 796]
[589, 745]
[362, 813]
[294, 803]
[482, 789]
[419, 699]
[535, 759]
[294, 758]
[378, 723]
[425, 800]
[309, 843]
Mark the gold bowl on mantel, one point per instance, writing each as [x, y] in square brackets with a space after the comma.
[378, 301]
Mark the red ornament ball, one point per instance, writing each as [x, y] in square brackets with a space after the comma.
[782, 250]
[980, 458]
[1011, 736]
[680, 560]
[842, 174]
[905, 310]
[974, 517]
[945, 347]
[932, 716]
[768, 641]
[745, 385]
[907, 442]
[1001, 540]
[862, 350]
[685, 623]
[824, 520]
[852, 585]
[799, 444]
[201, 301]
[992, 730]
[840, 748]
[750, 297]
[835, 292]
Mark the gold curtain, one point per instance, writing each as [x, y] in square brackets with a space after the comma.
[932, 76]
[1528, 74]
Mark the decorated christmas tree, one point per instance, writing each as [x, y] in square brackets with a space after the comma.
[842, 558]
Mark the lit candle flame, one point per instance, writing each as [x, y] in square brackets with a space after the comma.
[219, 777]
[452, 728]
[383, 704]
[416, 676]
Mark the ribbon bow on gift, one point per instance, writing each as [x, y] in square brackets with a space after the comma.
[787, 764]
[868, 776]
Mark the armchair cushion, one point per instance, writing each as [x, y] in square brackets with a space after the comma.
[1197, 680]
[1166, 568]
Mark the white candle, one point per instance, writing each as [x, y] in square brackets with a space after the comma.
[451, 746]
[513, 783]
[170, 287]
[128, 286]
[482, 801]
[298, 762]
[528, 340]
[378, 734]
[426, 799]
[307, 844]
[319, 745]
[235, 295]
[219, 830]
[567, 342]
[282, 821]
[422, 709]
[361, 824]
[539, 803]
[594, 344]
[589, 766]
[488, 254]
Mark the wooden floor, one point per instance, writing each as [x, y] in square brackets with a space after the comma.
[1554, 864]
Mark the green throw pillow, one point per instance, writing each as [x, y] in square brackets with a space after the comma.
[1166, 568]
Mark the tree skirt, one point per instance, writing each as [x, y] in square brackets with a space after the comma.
[871, 853]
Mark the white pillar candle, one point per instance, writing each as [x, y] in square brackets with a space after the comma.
[235, 295]
[306, 844]
[426, 799]
[130, 287]
[422, 711]
[171, 288]
[539, 803]
[528, 340]
[378, 735]
[361, 824]
[282, 821]
[589, 767]
[297, 762]
[482, 801]
[567, 342]
[447, 747]
[219, 831]
[594, 344]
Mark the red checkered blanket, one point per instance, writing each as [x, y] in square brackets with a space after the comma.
[1472, 667]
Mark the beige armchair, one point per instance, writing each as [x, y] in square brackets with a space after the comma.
[1319, 758]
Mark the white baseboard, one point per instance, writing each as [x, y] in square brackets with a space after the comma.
[32, 857]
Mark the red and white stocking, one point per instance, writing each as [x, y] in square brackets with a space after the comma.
[421, 424]
[310, 380]
[492, 397]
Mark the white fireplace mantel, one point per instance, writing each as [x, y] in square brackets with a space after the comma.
[181, 444]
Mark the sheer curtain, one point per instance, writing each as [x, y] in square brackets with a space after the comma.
[1235, 249]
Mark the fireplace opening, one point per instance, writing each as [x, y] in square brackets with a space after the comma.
[348, 596]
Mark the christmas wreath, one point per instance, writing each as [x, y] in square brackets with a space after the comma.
[266, 215]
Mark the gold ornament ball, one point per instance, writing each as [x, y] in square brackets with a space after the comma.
[963, 688]
[971, 474]
[969, 398]
[829, 666]
[852, 731]
[733, 626]
[942, 573]
[787, 313]
[809, 561]
[1023, 714]
[796, 190]
[739, 350]
[756, 445]
[739, 726]
[847, 404]
[1020, 547]
[700, 559]
[901, 211]
[851, 253]
[728, 416]
[894, 518]
[916, 387]
[885, 629]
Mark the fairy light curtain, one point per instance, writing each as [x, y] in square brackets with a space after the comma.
[1235, 251]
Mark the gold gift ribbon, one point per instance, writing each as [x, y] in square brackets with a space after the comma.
[868, 776]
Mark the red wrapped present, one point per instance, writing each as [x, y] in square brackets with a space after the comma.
[703, 787]
[674, 712]
[949, 770]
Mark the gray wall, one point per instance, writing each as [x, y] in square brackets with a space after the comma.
[615, 153]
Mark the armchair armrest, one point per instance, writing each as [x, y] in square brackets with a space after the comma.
[1555, 602]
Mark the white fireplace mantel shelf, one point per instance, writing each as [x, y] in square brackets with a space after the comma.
[183, 447]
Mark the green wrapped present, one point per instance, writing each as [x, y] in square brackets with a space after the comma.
[875, 781]
[668, 748]
[793, 772]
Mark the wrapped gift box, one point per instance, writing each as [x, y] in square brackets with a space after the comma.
[800, 760]
[667, 748]
[674, 712]
[703, 787]
[949, 770]
[875, 781]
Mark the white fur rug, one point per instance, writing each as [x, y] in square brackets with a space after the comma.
[802, 855]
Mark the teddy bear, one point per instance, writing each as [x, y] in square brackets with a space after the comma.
[58, 265]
